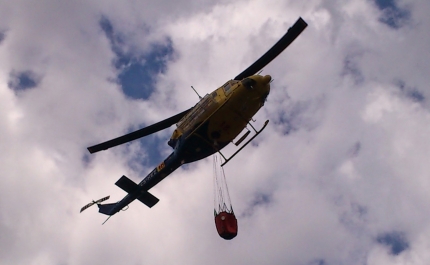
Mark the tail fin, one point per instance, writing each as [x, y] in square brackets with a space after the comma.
[108, 209]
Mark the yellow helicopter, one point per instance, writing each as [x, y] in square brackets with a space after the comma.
[215, 121]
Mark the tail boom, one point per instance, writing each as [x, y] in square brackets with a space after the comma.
[140, 191]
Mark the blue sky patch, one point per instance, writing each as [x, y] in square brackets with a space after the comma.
[87, 158]
[416, 95]
[2, 36]
[392, 14]
[318, 262]
[20, 81]
[137, 76]
[289, 120]
[352, 68]
[355, 149]
[152, 146]
[137, 73]
[260, 199]
[410, 92]
[396, 241]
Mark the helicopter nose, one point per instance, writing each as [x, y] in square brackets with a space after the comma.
[267, 79]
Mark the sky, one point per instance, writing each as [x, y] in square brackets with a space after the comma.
[339, 176]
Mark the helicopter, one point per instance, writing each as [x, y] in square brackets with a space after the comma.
[214, 122]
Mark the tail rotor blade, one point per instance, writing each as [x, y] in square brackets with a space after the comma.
[94, 202]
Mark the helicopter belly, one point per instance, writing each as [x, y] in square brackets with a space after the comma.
[230, 120]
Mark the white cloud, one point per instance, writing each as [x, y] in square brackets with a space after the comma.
[352, 166]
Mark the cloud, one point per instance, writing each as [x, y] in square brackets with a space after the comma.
[339, 176]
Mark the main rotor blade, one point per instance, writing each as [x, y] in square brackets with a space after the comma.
[139, 133]
[271, 54]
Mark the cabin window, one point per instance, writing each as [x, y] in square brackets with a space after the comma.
[227, 88]
[214, 94]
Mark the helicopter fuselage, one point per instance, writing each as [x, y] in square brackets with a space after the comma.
[219, 117]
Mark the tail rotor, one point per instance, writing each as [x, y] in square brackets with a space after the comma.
[94, 202]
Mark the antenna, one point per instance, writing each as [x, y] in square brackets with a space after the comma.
[196, 92]
[107, 219]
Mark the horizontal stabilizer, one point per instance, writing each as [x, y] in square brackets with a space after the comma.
[148, 199]
[107, 209]
[126, 184]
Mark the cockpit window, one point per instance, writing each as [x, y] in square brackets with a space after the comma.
[249, 83]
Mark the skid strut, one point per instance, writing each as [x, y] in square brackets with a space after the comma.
[257, 133]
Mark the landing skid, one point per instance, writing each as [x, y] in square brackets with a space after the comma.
[256, 133]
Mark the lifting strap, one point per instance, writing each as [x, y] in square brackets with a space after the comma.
[222, 201]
